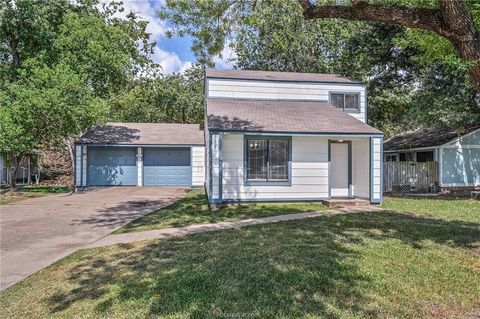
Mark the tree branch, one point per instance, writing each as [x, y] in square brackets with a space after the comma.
[423, 18]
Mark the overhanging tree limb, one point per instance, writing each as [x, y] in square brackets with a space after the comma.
[452, 20]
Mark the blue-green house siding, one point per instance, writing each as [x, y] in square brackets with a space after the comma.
[460, 161]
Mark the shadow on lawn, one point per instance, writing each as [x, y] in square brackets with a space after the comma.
[292, 269]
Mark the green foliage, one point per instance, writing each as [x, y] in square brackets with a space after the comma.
[45, 106]
[176, 98]
[414, 77]
[61, 62]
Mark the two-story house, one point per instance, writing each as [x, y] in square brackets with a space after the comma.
[280, 136]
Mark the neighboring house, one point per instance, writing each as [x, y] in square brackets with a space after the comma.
[280, 136]
[24, 172]
[456, 150]
[142, 154]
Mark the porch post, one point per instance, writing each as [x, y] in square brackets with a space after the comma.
[376, 174]
[84, 165]
[139, 166]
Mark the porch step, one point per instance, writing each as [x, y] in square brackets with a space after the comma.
[346, 202]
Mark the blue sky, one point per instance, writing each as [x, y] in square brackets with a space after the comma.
[174, 54]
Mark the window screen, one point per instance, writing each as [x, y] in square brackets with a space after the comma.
[346, 101]
[267, 160]
[425, 156]
[391, 158]
[406, 157]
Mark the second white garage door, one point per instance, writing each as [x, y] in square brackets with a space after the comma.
[167, 166]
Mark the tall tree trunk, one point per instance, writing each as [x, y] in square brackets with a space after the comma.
[452, 20]
[15, 57]
[13, 175]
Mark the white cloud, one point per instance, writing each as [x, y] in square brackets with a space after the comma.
[169, 60]
[227, 58]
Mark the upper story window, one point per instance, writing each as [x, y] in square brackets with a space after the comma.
[349, 102]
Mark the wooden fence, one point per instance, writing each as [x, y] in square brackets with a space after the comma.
[410, 177]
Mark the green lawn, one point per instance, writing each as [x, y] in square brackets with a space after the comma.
[449, 209]
[25, 192]
[193, 209]
[365, 265]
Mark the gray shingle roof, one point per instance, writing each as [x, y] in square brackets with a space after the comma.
[144, 134]
[280, 76]
[282, 116]
[427, 137]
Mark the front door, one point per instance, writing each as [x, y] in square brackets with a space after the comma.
[340, 169]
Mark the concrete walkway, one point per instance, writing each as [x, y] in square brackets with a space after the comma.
[37, 232]
[115, 239]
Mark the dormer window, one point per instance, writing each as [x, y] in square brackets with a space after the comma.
[349, 102]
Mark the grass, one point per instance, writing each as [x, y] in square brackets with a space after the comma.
[193, 209]
[25, 192]
[450, 209]
[365, 265]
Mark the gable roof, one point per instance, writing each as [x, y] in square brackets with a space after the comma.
[280, 76]
[282, 116]
[427, 137]
[144, 134]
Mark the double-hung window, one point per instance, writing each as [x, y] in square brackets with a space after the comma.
[349, 102]
[267, 160]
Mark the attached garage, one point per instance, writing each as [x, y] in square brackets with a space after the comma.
[141, 154]
[111, 166]
[167, 166]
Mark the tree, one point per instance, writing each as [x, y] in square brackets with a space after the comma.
[450, 19]
[45, 106]
[212, 22]
[43, 44]
[176, 98]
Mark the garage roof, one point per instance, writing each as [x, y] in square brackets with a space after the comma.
[143, 134]
[282, 116]
[428, 137]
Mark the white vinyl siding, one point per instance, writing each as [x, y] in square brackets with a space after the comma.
[281, 90]
[309, 172]
[198, 165]
[361, 168]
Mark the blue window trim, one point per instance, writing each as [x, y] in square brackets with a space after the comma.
[359, 109]
[267, 183]
[350, 164]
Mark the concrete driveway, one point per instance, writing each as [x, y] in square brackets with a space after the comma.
[37, 232]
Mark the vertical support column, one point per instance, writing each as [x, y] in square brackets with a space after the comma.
[29, 177]
[78, 165]
[376, 178]
[214, 168]
[139, 166]
[84, 165]
[220, 167]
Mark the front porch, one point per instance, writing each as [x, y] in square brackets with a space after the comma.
[266, 168]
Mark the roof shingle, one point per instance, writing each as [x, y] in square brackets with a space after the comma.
[280, 76]
[282, 116]
[427, 137]
[144, 134]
